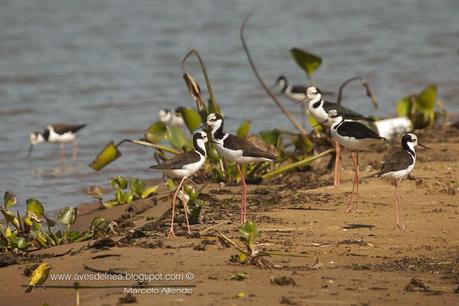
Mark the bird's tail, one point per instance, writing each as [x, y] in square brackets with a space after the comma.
[28, 289]
[373, 175]
[157, 167]
[79, 127]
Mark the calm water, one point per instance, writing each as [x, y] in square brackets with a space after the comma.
[113, 64]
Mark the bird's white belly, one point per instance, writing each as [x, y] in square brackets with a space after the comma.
[187, 170]
[354, 144]
[67, 137]
[401, 174]
[319, 114]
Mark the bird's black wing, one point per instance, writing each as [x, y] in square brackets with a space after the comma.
[357, 130]
[298, 89]
[248, 148]
[396, 161]
[179, 161]
[345, 112]
[62, 128]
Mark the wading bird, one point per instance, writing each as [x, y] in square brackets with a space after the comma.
[57, 133]
[354, 136]
[170, 117]
[398, 166]
[184, 166]
[319, 109]
[238, 150]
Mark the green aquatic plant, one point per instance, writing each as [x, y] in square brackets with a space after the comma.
[35, 230]
[420, 108]
[124, 191]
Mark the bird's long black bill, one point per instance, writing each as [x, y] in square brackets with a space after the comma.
[419, 144]
[30, 151]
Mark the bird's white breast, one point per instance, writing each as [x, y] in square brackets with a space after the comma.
[319, 113]
[55, 137]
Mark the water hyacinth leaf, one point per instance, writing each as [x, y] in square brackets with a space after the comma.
[156, 132]
[307, 61]
[149, 191]
[110, 204]
[67, 215]
[97, 222]
[191, 118]
[9, 199]
[314, 124]
[244, 129]
[196, 211]
[35, 207]
[191, 191]
[271, 137]
[108, 154]
[183, 196]
[118, 181]
[137, 186]
[249, 231]
[170, 184]
[404, 106]
[73, 235]
[425, 103]
[10, 217]
[176, 137]
[7, 232]
[21, 243]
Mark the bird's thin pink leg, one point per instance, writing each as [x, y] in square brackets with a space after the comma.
[357, 171]
[243, 195]
[396, 201]
[62, 153]
[185, 207]
[174, 200]
[337, 164]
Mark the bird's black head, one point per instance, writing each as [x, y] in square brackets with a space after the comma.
[410, 138]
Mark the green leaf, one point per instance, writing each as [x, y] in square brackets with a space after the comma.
[118, 181]
[427, 99]
[137, 186]
[244, 129]
[67, 215]
[9, 199]
[195, 211]
[271, 137]
[149, 191]
[170, 184]
[22, 244]
[72, 236]
[10, 217]
[108, 154]
[97, 221]
[35, 207]
[176, 137]
[156, 132]
[404, 106]
[249, 231]
[307, 61]
[191, 118]
[314, 124]
[110, 204]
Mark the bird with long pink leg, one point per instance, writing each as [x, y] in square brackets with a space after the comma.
[184, 166]
[354, 136]
[398, 166]
[57, 133]
[238, 150]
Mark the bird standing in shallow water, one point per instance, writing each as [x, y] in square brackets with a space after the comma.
[59, 132]
[319, 108]
[238, 150]
[184, 166]
[354, 136]
[398, 166]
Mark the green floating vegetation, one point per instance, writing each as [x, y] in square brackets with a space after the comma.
[35, 230]
[125, 191]
[420, 108]
[307, 61]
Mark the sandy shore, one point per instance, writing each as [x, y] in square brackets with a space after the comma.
[329, 257]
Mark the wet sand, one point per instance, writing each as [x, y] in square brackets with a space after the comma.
[329, 257]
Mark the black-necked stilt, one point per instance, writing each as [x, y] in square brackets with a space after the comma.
[238, 150]
[319, 109]
[183, 166]
[354, 136]
[170, 117]
[59, 132]
[399, 165]
[295, 93]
